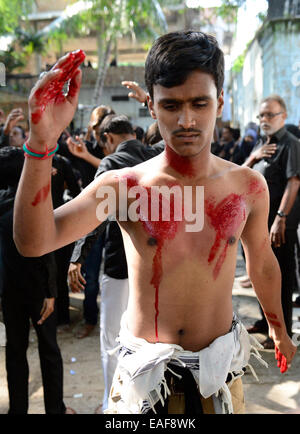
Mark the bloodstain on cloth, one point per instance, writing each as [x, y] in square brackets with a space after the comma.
[53, 91]
[41, 195]
[225, 218]
[159, 231]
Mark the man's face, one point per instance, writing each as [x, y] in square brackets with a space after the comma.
[186, 114]
[16, 138]
[270, 124]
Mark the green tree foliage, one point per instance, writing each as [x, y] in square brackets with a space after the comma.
[111, 20]
[12, 13]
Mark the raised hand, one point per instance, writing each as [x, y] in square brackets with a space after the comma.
[13, 118]
[51, 110]
[77, 147]
[137, 92]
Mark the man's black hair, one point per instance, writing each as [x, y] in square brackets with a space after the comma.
[116, 124]
[175, 55]
[139, 132]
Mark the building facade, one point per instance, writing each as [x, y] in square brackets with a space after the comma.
[271, 65]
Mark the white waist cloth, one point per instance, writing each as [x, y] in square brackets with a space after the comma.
[141, 367]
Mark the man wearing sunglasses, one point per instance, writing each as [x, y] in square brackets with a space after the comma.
[277, 157]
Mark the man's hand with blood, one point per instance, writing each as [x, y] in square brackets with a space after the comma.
[281, 360]
[51, 111]
[285, 351]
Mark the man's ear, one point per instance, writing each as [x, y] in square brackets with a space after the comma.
[220, 104]
[151, 106]
[109, 138]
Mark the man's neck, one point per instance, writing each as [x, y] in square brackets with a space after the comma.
[125, 137]
[189, 166]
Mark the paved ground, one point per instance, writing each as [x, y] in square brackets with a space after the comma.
[83, 384]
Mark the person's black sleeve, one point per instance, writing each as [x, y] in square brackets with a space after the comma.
[293, 161]
[70, 178]
[50, 265]
[83, 245]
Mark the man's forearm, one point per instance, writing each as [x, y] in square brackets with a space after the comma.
[289, 195]
[94, 161]
[34, 209]
[267, 285]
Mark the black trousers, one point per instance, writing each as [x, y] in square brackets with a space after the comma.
[16, 316]
[285, 255]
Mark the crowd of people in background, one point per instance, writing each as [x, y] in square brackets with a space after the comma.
[37, 289]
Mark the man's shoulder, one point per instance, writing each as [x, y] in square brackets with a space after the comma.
[291, 139]
[239, 175]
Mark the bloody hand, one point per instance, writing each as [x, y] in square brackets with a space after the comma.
[53, 92]
[281, 360]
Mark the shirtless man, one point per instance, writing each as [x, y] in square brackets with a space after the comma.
[180, 301]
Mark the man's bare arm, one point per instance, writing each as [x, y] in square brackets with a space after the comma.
[39, 229]
[264, 271]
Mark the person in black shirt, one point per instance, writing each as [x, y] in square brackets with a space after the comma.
[126, 151]
[29, 292]
[277, 157]
[92, 143]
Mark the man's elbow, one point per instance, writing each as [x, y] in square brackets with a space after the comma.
[27, 249]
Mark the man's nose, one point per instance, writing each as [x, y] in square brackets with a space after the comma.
[186, 119]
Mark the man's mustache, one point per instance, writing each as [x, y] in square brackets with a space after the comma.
[188, 130]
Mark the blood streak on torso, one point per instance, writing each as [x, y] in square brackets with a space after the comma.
[54, 90]
[225, 218]
[159, 232]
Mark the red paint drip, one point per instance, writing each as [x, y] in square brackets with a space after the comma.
[180, 164]
[160, 230]
[54, 90]
[225, 218]
[41, 195]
